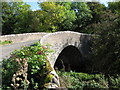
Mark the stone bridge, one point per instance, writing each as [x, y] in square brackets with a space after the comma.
[70, 48]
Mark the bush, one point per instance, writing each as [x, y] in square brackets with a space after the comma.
[74, 80]
[105, 44]
[26, 68]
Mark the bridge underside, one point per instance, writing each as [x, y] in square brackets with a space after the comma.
[69, 59]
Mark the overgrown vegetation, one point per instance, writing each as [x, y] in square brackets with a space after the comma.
[105, 43]
[26, 68]
[5, 42]
[74, 80]
[91, 17]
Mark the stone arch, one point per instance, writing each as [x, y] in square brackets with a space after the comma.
[59, 40]
[70, 58]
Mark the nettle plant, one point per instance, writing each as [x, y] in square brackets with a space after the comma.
[26, 68]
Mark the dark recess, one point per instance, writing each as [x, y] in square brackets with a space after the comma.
[70, 59]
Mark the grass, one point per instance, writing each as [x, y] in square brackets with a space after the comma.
[5, 42]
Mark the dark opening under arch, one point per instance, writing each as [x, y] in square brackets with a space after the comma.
[70, 58]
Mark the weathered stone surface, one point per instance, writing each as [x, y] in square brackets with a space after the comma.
[59, 40]
[55, 81]
[15, 38]
[55, 78]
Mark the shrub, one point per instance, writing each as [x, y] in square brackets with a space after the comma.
[75, 80]
[105, 45]
[26, 68]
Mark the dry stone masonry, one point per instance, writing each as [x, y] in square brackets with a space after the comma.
[58, 41]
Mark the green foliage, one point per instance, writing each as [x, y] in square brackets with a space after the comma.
[36, 21]
[57, 16]
[9, 67]
[48, 78]
[14, 16]
[97, 10]
[30, 60]
[54, 14]
[83, 13]
[114, 6]
[5, 42]
[105, 42]
[115, 81]
[78, 15]
[70, 17]
[74, 80]
[106, 45]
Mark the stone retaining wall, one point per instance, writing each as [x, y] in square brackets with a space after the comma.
[22, 37]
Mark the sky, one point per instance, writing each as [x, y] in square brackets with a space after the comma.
[34, 5]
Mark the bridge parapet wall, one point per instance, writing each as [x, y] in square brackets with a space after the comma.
[15, 38]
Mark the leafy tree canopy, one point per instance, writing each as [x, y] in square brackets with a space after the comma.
[12, 14]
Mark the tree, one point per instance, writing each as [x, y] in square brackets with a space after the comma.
[83, 14]
[7, 18]
[106, 45]
[97, 10]
[14, 15]
[114, 6]
[22, 17]
[37, 21]
[70, 15]
[53, 15]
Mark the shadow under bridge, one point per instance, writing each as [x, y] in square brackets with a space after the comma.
[69, 59]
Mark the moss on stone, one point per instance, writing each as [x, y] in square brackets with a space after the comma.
[48, 66]
[48, 78]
